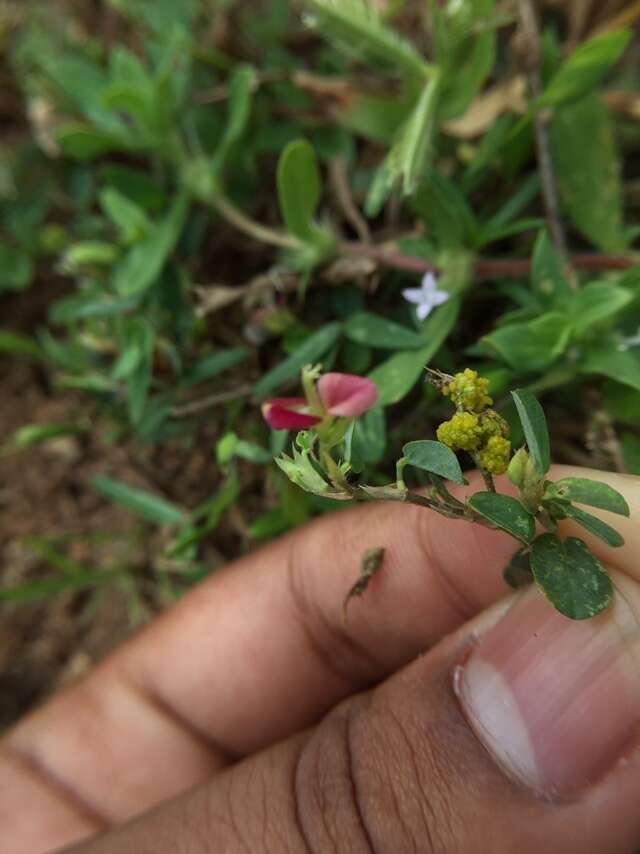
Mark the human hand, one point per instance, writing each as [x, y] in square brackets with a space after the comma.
[251, 719]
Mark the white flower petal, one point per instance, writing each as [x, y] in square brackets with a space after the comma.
[423, 310]
[429, 282]
[438, 297]
[413, 295]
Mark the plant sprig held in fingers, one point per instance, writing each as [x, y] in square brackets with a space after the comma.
[323, 462]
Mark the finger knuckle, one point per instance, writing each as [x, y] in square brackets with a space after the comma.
[365, 783]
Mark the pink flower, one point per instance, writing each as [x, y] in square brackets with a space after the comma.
[341, 396]
[287, 413]
[346, 394]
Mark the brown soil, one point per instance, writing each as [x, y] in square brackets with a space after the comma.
[45, 492]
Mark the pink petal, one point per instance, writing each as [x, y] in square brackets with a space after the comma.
[346, 394]
[282, 414]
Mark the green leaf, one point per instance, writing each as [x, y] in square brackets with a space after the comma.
[534, 425]
[231, 446]
[358, 29]
[547, 276]
[596, 303]
[589, 175]
[311, 350]
[411, 153]
[299, 189]
[239, 105]
[574, 580]
[145, 504]
[408, 159]
[585, 68]
[620, 365]
[130, 219]
[444, 208]
[140, 342]
[434, 457]
[595, 493]
[18, 344]
[468, 62]
[143, 263]
[397, 375]
[534, 345]
[45, 588]
[594, 525]
[375, 117]
[506, 513]
[88, 254]
[16, 268]
[369, 439]
[82, 142]
[35, 434]
[213, 364]
[374, 331]
[136, 185]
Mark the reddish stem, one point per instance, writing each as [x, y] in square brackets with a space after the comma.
[486, 268]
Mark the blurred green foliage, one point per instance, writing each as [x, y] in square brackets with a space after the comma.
[194, 174]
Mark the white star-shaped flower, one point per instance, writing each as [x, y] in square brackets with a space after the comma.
[427, 296]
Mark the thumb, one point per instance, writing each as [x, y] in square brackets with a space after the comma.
[520, 730]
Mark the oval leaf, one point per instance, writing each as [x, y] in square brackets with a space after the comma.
[574, 581]
[299, 188]
[506, 513]
[534, 424]
[591, 492]
[434, 457]
[374, 331]
[589, 175]
[595, 526]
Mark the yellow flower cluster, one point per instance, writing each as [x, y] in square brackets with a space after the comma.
[474, 428]
[463, 432]
[468, 391]
[494, 457]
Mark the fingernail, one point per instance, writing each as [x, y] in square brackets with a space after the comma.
[555, 701]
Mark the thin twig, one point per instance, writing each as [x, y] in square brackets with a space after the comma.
[541, 131]
[212, 400]
[340, 183]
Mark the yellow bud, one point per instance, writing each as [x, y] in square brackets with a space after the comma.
[468, 391]
[462, 432]
[494, 457]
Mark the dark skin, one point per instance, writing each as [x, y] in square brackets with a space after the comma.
[250, 718]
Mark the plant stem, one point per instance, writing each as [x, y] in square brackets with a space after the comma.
[242, 222]
[483, 268]
[441, 489]
[195, 406]
[488, 480]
